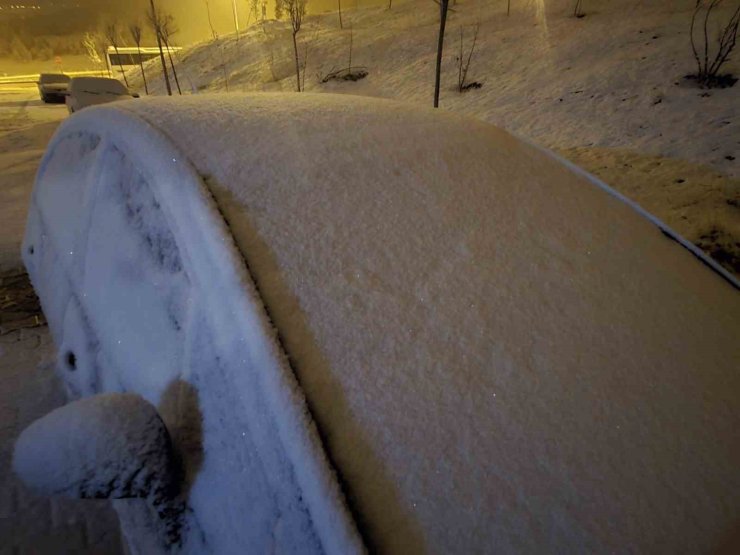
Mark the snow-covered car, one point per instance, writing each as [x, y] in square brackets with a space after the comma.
[89, 91]
[370, 326]
[53, 87]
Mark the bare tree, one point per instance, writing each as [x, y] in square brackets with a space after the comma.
[253, 9]
[94, 44]
[135, 30]
[168, 29]
[214, 34]
[443, 5]
[155, 20]
[345, 74]
[339, 4]
[464, 64]
[508, 7]
[708, 65]
[111, 35]
[295, 9]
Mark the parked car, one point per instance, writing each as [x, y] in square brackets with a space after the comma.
[53, 87]
[88, 91]
[366, 325]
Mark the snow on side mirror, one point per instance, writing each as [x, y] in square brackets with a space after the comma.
[112, 445]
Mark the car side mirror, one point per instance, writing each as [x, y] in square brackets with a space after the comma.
[112, 445]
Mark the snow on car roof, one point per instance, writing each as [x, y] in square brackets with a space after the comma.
[54, 78]
[497, 352]
[97, 85]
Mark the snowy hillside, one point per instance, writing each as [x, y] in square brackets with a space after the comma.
[606, 91]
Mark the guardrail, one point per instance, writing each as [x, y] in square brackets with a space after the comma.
[32, 78]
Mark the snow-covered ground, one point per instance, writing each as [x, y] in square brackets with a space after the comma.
[26, 125]
[606, 91]
[28, 386]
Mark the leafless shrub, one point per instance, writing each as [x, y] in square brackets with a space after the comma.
[710, 61]
[443, 7]
[356, 74]
[348, 73]
[464, 63]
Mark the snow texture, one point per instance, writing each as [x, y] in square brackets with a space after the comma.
[606, 91]
[148, 292]
[498, 352]
[106, 446]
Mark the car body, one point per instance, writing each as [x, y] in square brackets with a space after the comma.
[89, 91]
[53, 87]
[373, 326]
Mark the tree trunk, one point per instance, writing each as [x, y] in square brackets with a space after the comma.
[440, 44]
[172, 65]
[120, 65]
[297, 65]
[164, 66]
[161, 54]
[141, 65]
[339, 2]
[210, 23]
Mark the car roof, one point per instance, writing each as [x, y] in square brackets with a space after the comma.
[498, 351]
[97, 85]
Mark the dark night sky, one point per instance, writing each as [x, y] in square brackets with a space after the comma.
[61, 16]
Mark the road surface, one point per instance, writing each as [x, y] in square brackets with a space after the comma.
[28, 387]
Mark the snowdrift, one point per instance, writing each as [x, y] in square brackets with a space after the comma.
[486, 348]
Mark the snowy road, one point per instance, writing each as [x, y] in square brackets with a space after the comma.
[26, 125]
[28, 386]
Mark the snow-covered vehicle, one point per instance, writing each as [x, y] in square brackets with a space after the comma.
[53, 87]
[89, 91]
[372, 326]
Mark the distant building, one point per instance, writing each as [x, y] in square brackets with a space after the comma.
[130, 56]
